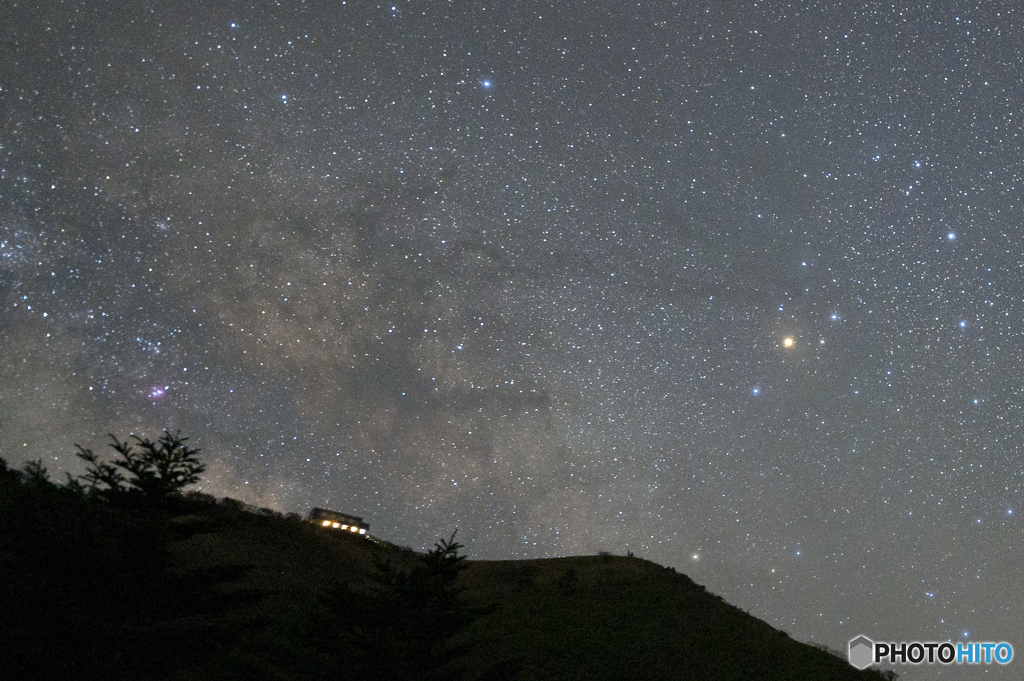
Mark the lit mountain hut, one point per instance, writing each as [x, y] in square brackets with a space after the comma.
[338, 521]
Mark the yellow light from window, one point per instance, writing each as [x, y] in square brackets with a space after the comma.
[362, 531]
[327, 523]
[334, 525]
[354, 528]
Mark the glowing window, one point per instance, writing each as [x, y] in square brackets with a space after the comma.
[354, 528]
[327, 523]
[334, 525]
[362, 531]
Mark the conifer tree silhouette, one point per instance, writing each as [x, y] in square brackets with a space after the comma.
[156, 469]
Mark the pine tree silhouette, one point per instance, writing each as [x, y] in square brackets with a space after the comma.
[156, 469]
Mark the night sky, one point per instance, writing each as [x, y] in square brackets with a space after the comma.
[738, 287]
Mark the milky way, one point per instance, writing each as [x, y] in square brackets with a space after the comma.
[735, 287]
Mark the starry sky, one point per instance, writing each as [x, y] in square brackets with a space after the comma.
[738, 287]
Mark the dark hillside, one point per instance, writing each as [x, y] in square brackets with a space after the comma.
[610, 617]
[188, 587]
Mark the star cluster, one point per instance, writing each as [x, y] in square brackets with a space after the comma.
[737, 290]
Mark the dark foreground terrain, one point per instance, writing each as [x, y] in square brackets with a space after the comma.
[128, 586]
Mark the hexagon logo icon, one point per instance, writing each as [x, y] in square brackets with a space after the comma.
[862, 651]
